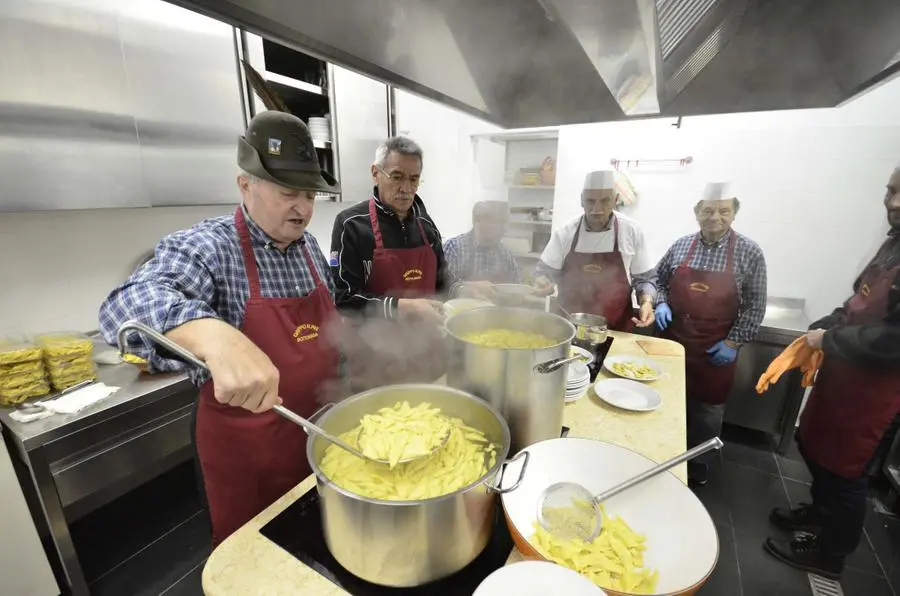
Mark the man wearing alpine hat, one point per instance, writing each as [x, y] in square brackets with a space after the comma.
[251, 295]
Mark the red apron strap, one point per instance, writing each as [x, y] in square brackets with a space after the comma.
[690, 253]
[729, 266]
[425, 241]
[312, 265]
[615, 234]
[376, 229]
[240, 222]
[577, 233]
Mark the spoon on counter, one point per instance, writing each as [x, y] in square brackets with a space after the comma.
[569, 510]
[300, 421]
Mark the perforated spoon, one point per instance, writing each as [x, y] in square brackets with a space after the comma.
[300, 421]
[569, 510]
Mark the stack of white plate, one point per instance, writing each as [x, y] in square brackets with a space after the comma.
[579, 377]
[320, 130]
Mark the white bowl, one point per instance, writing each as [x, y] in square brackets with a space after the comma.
[682, 543]
[536, 578]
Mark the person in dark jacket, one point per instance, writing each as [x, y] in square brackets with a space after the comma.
[855, 400]
[391, 275]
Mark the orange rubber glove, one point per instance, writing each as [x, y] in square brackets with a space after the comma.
[795, 355]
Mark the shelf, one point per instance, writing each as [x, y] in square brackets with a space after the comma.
[293, 83]
[321, 144]
[531, 222]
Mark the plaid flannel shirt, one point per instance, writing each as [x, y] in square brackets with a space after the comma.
[470, 262]
[749, 272]
[199, 273]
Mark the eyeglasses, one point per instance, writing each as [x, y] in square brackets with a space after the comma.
[398, 178]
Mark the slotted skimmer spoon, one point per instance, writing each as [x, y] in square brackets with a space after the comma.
[300, 421]
[569, 510]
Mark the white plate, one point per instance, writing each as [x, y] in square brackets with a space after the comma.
[536, 578]
[636, 360]
[628, 395]
[578, 371]
[586, 356]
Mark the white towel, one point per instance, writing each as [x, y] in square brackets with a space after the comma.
[69, 403]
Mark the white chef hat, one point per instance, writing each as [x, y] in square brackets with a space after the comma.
[718, 191]
[600, 180]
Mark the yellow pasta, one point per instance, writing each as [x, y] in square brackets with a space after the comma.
[614, 560]
[466, 458]
[635, 371]
[508, 338]
[402, 432]
[16, 353]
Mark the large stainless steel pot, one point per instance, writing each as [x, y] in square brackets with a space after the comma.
[409, 543]
[531, 401]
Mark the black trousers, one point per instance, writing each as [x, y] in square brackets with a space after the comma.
[704, 421]
[842, 504]
[842, 501]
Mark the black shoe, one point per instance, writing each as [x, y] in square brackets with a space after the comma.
[804, 518]
[803, 553]
[698, 473]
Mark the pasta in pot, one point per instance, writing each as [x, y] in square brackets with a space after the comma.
[508, 338]
[467, 456]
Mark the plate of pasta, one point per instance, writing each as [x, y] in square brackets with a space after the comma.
[633, 367]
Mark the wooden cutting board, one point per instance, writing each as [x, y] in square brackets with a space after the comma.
[660, 348]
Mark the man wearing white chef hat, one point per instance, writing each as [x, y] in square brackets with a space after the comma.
[711, 299]
[598, 258]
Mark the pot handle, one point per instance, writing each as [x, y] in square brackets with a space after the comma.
[318, 413]
[497, 488]
[553, 365]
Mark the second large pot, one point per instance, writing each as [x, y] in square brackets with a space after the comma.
[531, 401]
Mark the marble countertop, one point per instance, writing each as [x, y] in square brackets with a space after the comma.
[247, 563]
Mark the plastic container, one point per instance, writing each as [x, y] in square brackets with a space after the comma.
[21, 368]
[65, 345]
[18, 352]
[15, 395]
[64, 377]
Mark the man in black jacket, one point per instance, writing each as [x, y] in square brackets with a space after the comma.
[389, 267]
[855, 400]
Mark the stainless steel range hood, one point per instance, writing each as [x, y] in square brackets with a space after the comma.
[549, 62]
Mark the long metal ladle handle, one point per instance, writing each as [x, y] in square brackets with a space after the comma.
[710, 445]
[173, 347]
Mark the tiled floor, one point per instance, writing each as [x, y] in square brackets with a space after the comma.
[747, 481]
[155, 540]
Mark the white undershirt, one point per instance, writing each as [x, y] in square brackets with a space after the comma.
[631, 244]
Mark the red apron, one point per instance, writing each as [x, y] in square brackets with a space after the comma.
[597, 283]
[250, 460]
[705, 305]
[387, 351]
[851, 407]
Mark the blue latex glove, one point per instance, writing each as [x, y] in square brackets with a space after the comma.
[721, 354]
[663, 315]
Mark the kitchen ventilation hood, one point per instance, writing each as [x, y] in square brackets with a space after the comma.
[550, 62]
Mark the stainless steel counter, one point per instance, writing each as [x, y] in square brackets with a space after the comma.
[774, 412]
[71, 464]
[134, 391]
